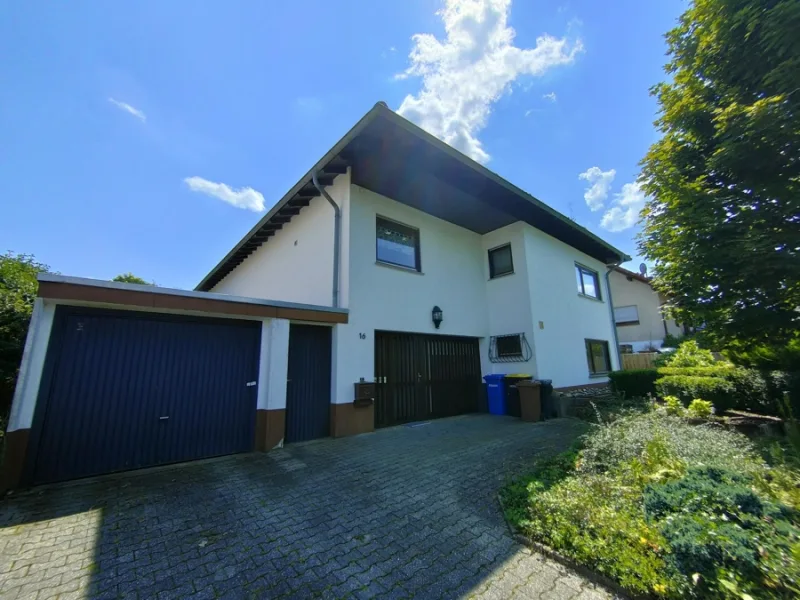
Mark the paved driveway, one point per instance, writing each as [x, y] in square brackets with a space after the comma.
[404, 512]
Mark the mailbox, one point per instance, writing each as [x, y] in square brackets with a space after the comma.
[364, 393]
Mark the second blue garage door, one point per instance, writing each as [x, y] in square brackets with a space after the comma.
[124, 390]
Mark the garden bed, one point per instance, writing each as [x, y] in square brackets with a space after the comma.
[667, 508]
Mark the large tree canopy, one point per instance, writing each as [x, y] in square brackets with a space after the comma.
[723, 219]
[18, 288]
[131, 278]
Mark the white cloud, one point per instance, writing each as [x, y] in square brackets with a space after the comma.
[551, 96]
[246, 197]
[627, 206]
[596, 194]
[467, 72]
[129, 109]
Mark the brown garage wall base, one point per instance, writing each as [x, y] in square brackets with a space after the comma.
[14, 461]
[349, 419]
[270, 429]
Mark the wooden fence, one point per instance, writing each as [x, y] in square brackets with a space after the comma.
[641, 360]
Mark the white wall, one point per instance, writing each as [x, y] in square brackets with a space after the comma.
[508, 297]
[650, 330]
[392, 299]
[296, 264]
[568, 319]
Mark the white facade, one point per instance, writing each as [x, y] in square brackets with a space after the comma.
[539, 299]
[296, 264]
[635, 299]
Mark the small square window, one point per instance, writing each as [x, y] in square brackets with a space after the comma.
[588, 282]
[500, 261]
[397, 244]
[597, 356]
[509, 346]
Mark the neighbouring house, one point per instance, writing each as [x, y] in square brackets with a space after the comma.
[378, 291]
[638, 312]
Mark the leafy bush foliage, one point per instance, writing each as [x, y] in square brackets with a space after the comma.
[626, 439]
[701, 409]
[689, 354]
[720, 370]
[715, 389]
[636, 383]
[718, 527]
[651, 501]
[673, 405]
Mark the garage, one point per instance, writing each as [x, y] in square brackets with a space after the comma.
[420, 377]
[129, 389]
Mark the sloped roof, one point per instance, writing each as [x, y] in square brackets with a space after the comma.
[391, 156]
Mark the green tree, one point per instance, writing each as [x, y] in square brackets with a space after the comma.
[131, 278]
[723, 219]
[18, 287]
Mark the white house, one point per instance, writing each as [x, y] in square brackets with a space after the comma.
[521, 288]
[379, 290]
[638, 312]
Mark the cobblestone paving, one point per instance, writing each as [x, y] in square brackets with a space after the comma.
[408, 512]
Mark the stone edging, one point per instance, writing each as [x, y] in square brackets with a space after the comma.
[593, 576]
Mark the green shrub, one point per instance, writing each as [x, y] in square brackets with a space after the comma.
[596, 521]
[689, 354]
[636, 383]
[674, 406]
[722, 370]
[723, 535]
[701, 409]
[716, 390]
[624, 440]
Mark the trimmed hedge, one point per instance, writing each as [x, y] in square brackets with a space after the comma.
[721, 371]
[716, 390]
[740, 388]
[636, 383]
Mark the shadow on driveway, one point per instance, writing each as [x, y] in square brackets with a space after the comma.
[404, 512]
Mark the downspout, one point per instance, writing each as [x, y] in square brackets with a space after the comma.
[337, 228]
[610, 267]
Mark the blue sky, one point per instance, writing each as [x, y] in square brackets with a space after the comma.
[146, 136]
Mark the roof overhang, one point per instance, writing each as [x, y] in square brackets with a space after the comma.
[148, 297]
[393, 157]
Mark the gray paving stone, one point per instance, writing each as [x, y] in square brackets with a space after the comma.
[402, 513]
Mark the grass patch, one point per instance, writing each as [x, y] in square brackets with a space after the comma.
[668, 508]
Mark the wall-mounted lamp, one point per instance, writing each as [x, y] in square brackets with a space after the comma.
[437, 316]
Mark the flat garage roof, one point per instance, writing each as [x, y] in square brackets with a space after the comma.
[80, 289]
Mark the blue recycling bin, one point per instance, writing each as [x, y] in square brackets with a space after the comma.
[496, 391]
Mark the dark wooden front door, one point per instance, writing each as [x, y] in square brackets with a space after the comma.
[308, 389]
[422, 377]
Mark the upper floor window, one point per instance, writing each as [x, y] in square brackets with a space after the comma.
[500, 262]
[397, 244]
[626, 315]
[588, 282]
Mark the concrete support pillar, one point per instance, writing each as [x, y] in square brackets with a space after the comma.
[272, 374]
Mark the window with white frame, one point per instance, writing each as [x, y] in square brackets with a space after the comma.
[626, 315]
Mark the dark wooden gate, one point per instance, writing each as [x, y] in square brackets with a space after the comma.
[422, 377]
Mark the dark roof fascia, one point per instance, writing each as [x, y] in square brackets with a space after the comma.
[306, 179]
[381, 109]
[467, 161]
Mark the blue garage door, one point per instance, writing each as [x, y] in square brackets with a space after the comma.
[308, 389]
[124, 390]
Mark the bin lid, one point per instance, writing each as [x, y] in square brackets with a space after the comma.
[519, 376]
[494, 377]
